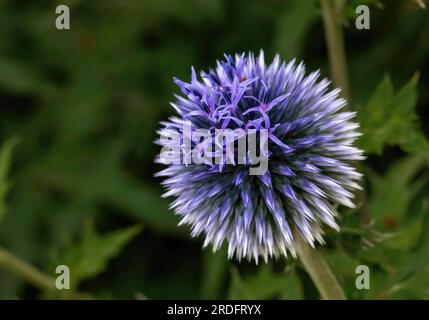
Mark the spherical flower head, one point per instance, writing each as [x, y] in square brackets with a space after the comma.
[310, 151]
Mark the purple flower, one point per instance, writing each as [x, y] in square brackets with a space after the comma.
[310, 147]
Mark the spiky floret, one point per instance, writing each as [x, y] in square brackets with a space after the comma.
[309, 170]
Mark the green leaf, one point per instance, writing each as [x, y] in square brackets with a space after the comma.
[266, 284]
[403, 260]
[418, 259]
[408, 236]
[90, 256]
[413, 287]
[373, 114]
[5, 162]
[393, 192]
[391, 119]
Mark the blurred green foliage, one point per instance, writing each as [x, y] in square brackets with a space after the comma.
[5, 160]
[89, 257]
[85, 104]
[389, 119]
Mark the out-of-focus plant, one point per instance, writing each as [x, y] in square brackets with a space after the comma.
[86, 103]
[86, 259]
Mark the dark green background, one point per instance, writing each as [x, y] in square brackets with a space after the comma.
[85, 104]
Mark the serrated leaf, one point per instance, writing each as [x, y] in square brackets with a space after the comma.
[90, 256]
[404, 261]
[393, 192]
[408, 236]
[418, 259]
[391, 119]
[414, 287]
[266, 284]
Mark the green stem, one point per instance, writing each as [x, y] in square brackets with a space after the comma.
[319, 271]
[331, 13]
[335, 44]
[14, 264]
[40, 280]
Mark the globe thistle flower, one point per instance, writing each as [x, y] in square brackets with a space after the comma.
[310, 147]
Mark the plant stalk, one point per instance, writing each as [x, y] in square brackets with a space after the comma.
[331, 14]
[33, 276]
[319, 270]
[29, 273]
[335, 44]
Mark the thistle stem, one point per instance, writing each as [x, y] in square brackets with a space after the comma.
[21, 268]
[331, 10]
[38, 279]
[319, 270]
[335, 44]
